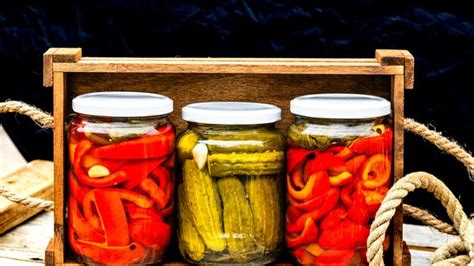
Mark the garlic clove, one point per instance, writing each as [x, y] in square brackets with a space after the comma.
[200, 155]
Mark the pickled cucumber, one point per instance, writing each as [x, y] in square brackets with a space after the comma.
[228, 164]
[238, 220]
[255, 140]
[186, 143]
[204, 204]
[190, 243]
[263, 193]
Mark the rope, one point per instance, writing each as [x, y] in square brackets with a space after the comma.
[443, 143]
[44, 120]
[428, 219]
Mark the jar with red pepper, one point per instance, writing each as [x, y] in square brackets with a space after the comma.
[121, 177]
[339, 165]
[229, 196]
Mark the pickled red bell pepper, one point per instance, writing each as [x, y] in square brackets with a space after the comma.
[296, 157]
[135, 212]
[103, 253]
[376, 171]
[292, 214]
[112, 165]
[342, 152]
[308, 235]
[375, 144]
[151, 233]
[80, 226]
[358, 212]
[333, 218]
[346, 235]
[77, 190]
[346, 193]
[335, 257]
[308, 205]
[354, 164]
[112, 215]
[138, 170]
[330, 202]
[298, 178]
[81, 150]
[317, 184]
[341, 179]
[303, 256]
[155, 192]
[147, 146]
[322, 161]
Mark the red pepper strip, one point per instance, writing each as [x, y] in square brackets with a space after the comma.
[296, 157]
[148, 146]
[309, 235]
[80, 226]
[90, 212]
[346, 193]
[112, 165]
[340, 179]
[374, 198]
[333, 218]
[138, 170]
[151, 233]
[358, 212]
[315, 249]
[298, 179]
[72, 149]
[376, 171]
[303, 256]
[309, 205]
[317, 184]
[335, 257]
[374, 144]
[168, 210]
[292, 214]
[331, 201]
[353, 165]
[162, 175]
[102, 253]
[77, 190]
[347, 235]
[171, 161]
[82, 148]
[135, 212]
[154, 191]
[335, 149]
[322, 161]
[341, 151]
[112, 214]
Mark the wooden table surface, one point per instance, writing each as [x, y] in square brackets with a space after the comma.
[25, 244]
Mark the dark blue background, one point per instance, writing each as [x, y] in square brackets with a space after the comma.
[440, 35]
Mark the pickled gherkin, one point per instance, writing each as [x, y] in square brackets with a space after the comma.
[190, 243]
[263, 194]
[264, 163]
[186, 143]
[237, 216]
[204, 205]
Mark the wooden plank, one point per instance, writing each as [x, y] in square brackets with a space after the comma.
[49, 253]
[225, 59]
[230, 67]
[10, 158]
[34, 180]
[188, 88]
[25, 244]
[398, 116]
[419, 237]
[55, 55]
[399, 58]
[409, 70]
[59, 171]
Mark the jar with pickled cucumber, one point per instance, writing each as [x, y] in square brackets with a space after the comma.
[121, 177]
[339, 169]
[229, 193]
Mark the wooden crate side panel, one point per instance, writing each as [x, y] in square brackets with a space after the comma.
[189, 88]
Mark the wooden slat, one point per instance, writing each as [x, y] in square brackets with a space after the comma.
[206, 66]
[398, 116]
[225, 59]
[59, 171]
[35, 180]
[188, 88]
[399, 58]
[55, 55]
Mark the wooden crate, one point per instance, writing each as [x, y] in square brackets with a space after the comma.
[188, 80]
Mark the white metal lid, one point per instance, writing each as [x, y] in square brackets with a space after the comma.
[122, 104]
[340, 106]
[231, 113]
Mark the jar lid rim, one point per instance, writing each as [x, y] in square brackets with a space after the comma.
[231, 113]
[340, 106]
[122, 104]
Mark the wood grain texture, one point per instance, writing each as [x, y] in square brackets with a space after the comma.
[397, 98]
[35, 180]
[49, 253]
[398, 58]
[57, 55]
[59, 169]
[189, 88]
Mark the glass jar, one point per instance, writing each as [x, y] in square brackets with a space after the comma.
[229, 193]
[121, 177]
[339, 163]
